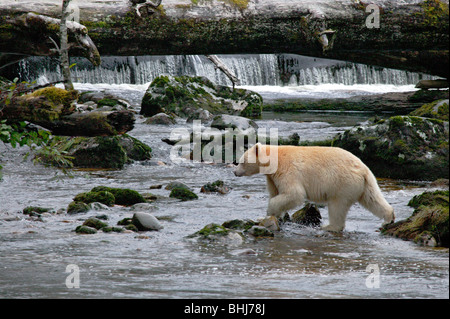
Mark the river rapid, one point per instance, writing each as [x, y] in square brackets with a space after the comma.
[299, 262]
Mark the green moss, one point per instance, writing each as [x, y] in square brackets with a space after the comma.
[57, 95]
[94, 223]
[139, 151]
[430, 110]
[103, 197]
[430, 199]
[183, 194]
[429, 219]
[30, 210]
[123, 196]
[109, 229]
[85, 230]
[106, 152]
[77, 207]
[212, 229]
[160, 81]
[107, 102]
[239, 224]
[181, 94]
[434, 11]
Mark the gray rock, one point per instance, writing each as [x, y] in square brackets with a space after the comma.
[146, 221]
[224, 121]
[161, 118]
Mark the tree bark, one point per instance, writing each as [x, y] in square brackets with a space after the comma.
[412, 35]
[64, 50]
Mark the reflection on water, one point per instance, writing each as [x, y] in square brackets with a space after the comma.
[298, 262]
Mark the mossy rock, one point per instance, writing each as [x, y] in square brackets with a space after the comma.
[239, 224]
[212, 229]
[94, 223]
[123, 196]
[103, 197]
[183, 95]
[109, 229]
[309, 215]
[35, 210]
[429, 222]
[430, 199]
[57, 95]
[215, 187]
[85, 230]
[183, 194]
[77, 208]
[105, 151]
[437, 109]
[401, 147]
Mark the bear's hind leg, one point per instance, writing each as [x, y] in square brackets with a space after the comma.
[337, 214]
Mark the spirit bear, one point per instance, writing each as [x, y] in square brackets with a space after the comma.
[328, 175]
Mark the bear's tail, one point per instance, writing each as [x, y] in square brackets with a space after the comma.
[373, 200]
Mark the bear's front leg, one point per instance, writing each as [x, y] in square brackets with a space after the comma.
[280, 203]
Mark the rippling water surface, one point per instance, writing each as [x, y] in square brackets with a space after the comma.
[299, 262]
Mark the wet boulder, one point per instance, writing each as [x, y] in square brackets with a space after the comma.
[218, 234]
[103, 151]
[122, 196]
[102, 196]
[183, 95]
[215, 187]
[183, 194]
[145, 221]
[161, 118]
[85, 230]
[240, 123]
[94, 223]
[309, 215]
[401, 147]
[428, 224]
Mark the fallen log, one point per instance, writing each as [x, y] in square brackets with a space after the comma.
[35, 34]
[53, 109]
[410, 34]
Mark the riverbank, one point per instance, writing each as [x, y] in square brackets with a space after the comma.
[399, 103]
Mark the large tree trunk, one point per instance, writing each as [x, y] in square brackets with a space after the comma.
[412, 35]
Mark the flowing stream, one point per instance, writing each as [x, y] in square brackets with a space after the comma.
[299, 262]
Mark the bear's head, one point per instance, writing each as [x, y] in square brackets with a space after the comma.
[258, 159]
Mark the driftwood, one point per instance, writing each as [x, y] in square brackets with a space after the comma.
[220, 65]
[56, 113]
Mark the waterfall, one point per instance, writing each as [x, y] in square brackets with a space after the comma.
[252, 70]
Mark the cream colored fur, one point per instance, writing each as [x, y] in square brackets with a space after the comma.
[328, 175]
